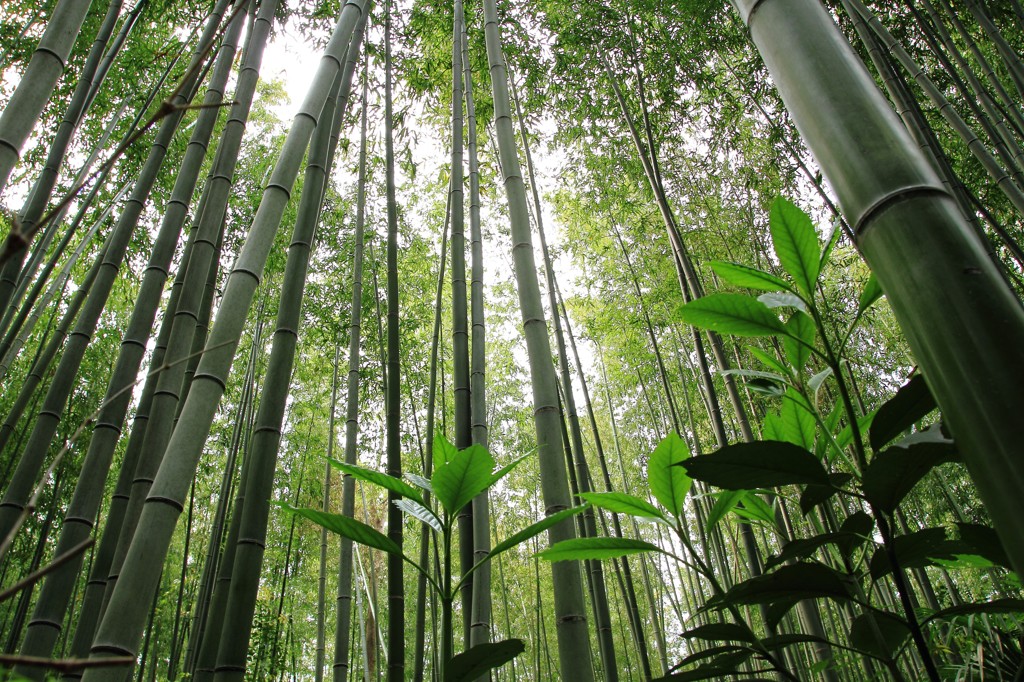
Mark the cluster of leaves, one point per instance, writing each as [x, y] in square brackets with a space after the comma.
[459, 477]
[809, 450]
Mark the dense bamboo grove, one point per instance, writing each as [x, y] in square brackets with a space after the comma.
[533, 340]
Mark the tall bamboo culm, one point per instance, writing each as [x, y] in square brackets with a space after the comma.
[570, 615]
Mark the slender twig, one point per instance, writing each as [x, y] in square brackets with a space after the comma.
[33, 578]
[17, 240]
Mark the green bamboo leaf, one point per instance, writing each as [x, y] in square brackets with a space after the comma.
[799, 339]
[420, 481]
[796, 244]
[733, 314]
[356, 531]
[813, 495]
[753, 508]
[475, 662]
[583, 549]
[911, 404]
[984, 542]
[443, 450]
[748, 278]
[769, 360]
[463, 477]
[830, 243]
[724, 503]
[417, 510]
[623, 503]
[753, 373]
[916, 550]
[797, 422]
[788, 583]
[863, 634]
[995, 606]
[891, 475]
[760, 464]
[669, 483]
[502, 472]
[783, 300]
[395, 485]
[805, 547]
[815, 382]
[872, 292]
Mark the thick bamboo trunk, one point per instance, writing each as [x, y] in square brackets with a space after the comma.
[962, 322]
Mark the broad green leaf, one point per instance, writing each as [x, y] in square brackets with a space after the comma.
[724, 502]
[583, 549]
[916, 550]
[531, 530]
[797, 420]
[669, 483]
[796, 244]
[463, 477]
[749, 278]
[753, 508]
[776, 299]
[356, 531]
[395, 485]
[417, 510]
[892, 473]
[872, 292]
[983, 541]
[443, 450]
[769, 360]
[894, 631]
[964, 561]
[994, 606]
[815, 382]
[788, 583]
[733, 314]
[845, 437]
[622, 503]
[420, 481]
[474, 663]
[766, 383]
[800, 339]
[720, 631]
[760, 464]
[910, 405]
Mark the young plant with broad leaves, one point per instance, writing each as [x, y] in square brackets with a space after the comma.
[868, 461]
[458, 478]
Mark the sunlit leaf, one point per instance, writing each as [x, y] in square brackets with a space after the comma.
[669, 483]
[733, 314]
[796, 244]
[582, 549]
[747, 277]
